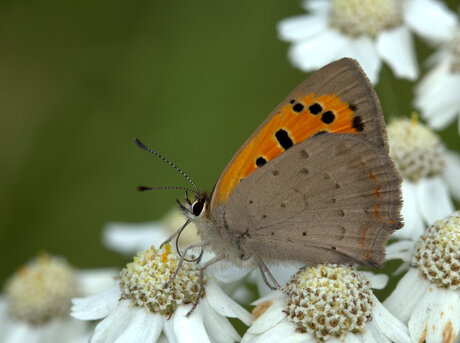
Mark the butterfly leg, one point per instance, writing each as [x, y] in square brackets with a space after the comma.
[178, 232]
[182, 259]
[266, 272]
[202, 269]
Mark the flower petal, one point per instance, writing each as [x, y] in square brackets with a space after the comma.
[271, 317]
[378, 281]
[143, 327]
[406, 295]
[452, 172]
[131, 238]
[218, 328]
[96, 306]
[281, 331]
[314, 53]
[430, 19]
[396, 48]
[388, 324]
[320, 6]
[413, 224]
[301, 27]
[436, 316]
[401, 250]
[364, 50]
[224, 305]
[93, 281]
[373, 334]
[168, 329]
[109, 329]
[433, 199]
[189, 329]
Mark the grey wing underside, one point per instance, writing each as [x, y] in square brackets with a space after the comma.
[332, 198]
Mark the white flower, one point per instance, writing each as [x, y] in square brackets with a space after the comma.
[437, 94]
[428, 297]
[326, 303]
[143, 306]
[367, 30]
[428, 171]
[36, 304]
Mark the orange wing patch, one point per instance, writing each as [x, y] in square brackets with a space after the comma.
[294, 123]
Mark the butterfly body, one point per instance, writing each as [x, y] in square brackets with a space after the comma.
[313, 184]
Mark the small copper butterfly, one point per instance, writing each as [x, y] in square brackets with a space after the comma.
[314, 183]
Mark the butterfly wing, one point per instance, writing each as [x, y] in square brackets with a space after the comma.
[332, 198]
[337, 98]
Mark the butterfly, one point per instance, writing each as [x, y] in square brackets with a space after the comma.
[313, 184]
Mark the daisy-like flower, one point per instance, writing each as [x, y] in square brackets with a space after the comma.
[143, 306]
[437, 93]
[427, 298]
[370, 31]
[326, 303]
[429, 172]
[36, 303]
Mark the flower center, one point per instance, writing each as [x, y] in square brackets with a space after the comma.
[416, 150]
[357, 17]
[438, 252]
[455, 49]
[329, 300]
[143, 281]
[41, 290]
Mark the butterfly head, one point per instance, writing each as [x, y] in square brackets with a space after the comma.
[194, 209]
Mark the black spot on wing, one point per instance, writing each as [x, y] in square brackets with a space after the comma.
[283, 139]
[315, 108]
[358, 124]
[260, 161]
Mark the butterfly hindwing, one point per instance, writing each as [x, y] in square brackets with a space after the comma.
[332, 198]
[337, 99]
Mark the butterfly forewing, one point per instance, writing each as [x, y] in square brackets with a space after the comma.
[337, 99]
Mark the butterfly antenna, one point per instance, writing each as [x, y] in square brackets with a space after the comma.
[146, 148]
[161, 188]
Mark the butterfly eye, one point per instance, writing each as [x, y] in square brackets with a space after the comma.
[197, 207]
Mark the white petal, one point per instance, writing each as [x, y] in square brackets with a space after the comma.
[96, 306]
[299, 338]
[281, 331]
[19, 333]
[131, 238]
[227, 272]
[271, 317]
[143, 327]
[114, 324]
[314, 53]
[437, 96]
[388, 324]
[406, 295]
[413, 224]
[433, 199]
[301, 27]
[364, 50]
[452, 173]
[189, 329]
[274, 295]
[224, 305]
[401, 250]
[373, 334]
[430, 19]
[281, 272]
[378, 281]
[318, 6]
[218, 328]
[168, 329]
[93, 281]
[433, 313]
[396, 48]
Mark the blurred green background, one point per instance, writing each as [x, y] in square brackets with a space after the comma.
[80, 80]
